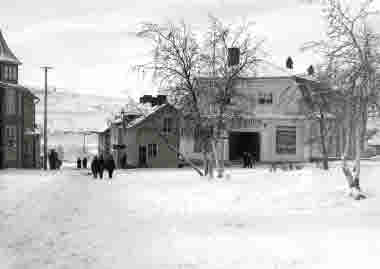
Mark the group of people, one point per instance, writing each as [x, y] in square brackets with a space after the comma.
[99, 164]
[248, 160]
[82, 163]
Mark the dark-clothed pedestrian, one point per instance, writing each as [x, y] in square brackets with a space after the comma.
[55, 158]
[84, 162]
[95, 166]
[249, 160]
[101, 166]
[50, 159]
[110, 166]
[254, 159]
[245, 159]
[79, 163]
[124, 161]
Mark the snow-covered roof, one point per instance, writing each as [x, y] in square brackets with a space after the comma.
[268, 69]
[6, 55]
[146, 115]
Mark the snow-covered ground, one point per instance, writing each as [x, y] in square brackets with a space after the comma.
[172, 218]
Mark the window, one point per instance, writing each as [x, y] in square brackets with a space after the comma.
[9, 72]
[168, 125]
[197, 139]
[20, 104]
[11, 135]
[5, 72]
[269, 98]
[13, 73]
[152, 150]
[286, 140]
[10, 101]
[265, 98]
[28, 148]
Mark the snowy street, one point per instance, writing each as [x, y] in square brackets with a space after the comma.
[172, 218]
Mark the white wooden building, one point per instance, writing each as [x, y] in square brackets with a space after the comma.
[273, 127]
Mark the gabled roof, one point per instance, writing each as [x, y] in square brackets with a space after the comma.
[6, 55]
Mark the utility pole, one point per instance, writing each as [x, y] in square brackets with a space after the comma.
[45, 68]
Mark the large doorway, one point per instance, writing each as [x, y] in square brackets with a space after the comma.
[240, 142]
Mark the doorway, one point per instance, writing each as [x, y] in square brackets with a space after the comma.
[240, 142]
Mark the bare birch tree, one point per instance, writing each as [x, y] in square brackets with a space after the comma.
[225, 73]
[182, 63]
[352, 45]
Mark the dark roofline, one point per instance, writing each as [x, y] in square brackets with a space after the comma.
[19, 87]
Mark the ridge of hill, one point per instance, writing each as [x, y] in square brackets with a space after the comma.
[76, 112]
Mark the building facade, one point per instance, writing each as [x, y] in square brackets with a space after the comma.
[148, 139]
[19, 139]
[272, 126]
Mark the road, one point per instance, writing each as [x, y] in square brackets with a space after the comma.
[174, 219]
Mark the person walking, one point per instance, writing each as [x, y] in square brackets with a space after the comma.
[249, 159]
[95, 166]
[79, 163]
[110, 166]
[123, 161]
[101, 166]
[50, 158]
[253, 159]
[245, 159]
[54, 158]
[84, 162]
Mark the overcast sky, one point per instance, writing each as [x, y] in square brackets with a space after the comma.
[90, 45]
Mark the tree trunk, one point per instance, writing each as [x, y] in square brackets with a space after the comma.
[353, 178]
[219, 145]
[358, 146]
[215, 152]
[322, 130]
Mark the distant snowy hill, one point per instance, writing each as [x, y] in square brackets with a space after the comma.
[70, 113]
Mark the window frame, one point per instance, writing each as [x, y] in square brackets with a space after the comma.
[265, 98]
[168, 125]
[283, 146]
[10, 99]
[152, 150]
[197, 147]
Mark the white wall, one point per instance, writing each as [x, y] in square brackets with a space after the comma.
[285, 110]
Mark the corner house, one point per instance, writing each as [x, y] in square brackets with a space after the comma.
[272, 124]
[19, 138]
[143, 136]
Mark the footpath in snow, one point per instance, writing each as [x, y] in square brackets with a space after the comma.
[172, 218]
